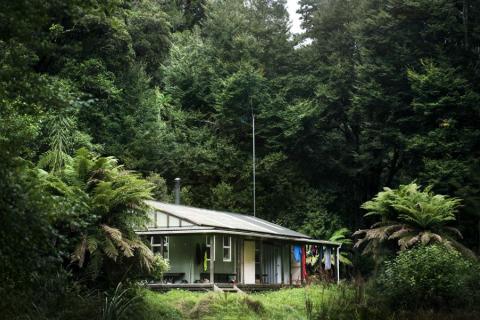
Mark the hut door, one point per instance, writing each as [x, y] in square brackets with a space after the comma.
[249, 262]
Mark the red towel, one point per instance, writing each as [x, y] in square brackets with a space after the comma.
[304, 263]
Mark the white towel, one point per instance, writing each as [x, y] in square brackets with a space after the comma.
[328, 260]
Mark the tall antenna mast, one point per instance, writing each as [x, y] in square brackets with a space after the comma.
[253, 163]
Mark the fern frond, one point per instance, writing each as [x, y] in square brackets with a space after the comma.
[110, 249]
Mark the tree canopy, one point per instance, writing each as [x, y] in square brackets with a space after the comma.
[372, 94]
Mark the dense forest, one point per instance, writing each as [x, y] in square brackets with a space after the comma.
[374, 94]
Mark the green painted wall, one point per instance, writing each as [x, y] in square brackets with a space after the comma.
[220, 265]
[285, 262]
[182, 252]
[182, 255]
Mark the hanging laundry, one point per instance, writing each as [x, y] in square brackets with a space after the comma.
[312, 260]
[297, 253]
[312, 255]
[304, 263]
[205, 262]
[320, 256]
[328, 258]
[308, 250]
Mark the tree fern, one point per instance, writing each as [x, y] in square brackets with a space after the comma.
[104, 201]
[411, 216]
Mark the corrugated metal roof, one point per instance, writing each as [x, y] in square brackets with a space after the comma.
[213, 230]
[224, 220]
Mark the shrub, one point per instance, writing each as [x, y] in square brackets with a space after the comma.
[160, 266]
[429, 277]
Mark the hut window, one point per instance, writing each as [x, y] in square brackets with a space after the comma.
[173, 221]
[209, 241]
[166, 245]
[186, 223]
[161, 221]
[160, 246]
[227, 248]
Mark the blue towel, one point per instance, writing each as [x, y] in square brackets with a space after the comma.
[297, 253]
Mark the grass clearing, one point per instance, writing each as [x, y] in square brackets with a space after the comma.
[319, 302]
[283, 304]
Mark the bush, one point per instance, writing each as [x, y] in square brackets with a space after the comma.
[429, 277]
[160, 266]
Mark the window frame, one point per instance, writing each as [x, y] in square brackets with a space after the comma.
[168, 221]
[229, 247]
[164, 244]
[208, 246]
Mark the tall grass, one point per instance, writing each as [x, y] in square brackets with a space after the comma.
[315, 302]
[118, 303]
[282, 304]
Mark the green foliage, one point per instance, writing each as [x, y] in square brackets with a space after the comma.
[224, 198]
[170, 88]
[160, 190]
[149, 30]
[382, 93]
[159, 267]
[184, 14]
[190, 73]
[445, 149]
[413, 205]
[118, 303]
[27, 255]
[429, 277]
[343, 236]
[411, 216]
[103, 202]
[320, 223]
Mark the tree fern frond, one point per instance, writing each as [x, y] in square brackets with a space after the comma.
[116, 237]
[454, 231]
[113, 233]
[110, 249]
[92, 244]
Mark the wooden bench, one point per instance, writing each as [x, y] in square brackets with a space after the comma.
[218, 277]
[172, 276]
[163, 287]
